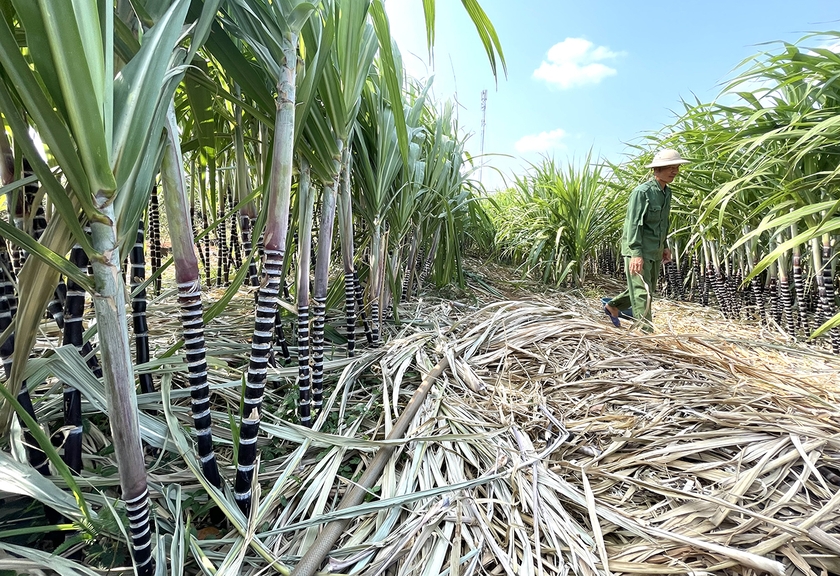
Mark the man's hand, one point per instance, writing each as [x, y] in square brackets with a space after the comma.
[666, 255]
[636, 265]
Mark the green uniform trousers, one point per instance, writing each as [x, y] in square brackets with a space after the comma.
[639, 293]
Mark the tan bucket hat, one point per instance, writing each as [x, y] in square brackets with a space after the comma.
[667, 157]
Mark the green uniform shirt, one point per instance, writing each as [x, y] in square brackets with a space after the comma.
[646, 223]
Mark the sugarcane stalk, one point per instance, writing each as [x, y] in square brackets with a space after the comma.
[187, 278]
[222, 262]
[708, 275]
[374, 283]
[715, 279]
[360, 305]
[784, 293]
[138, 308]
[277, 222]
[679, 291]
[732, 283]
[756, 287]
[306, 206]
[799, 283]
[697, 279]
[394, 297]
[720, 284]
[74, 310]
[319, 286]
[235, 253]
[154, 238]
[247, 213]
[7, 162]
[245, 227]
[829, 308]
[411, 265]
[773, 302]
[345, 226]
[55, 307]
[430, 257]
[109, 303]
[206, 260]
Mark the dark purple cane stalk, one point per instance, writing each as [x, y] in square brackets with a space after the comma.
[55, 307]
[732, 282]
[374, 322]
[682, 274]
[722, 293]
[277, 201]
[799, 289]
[427, 268]
[235, 238]
[707, 285]
[670, 272]
[411, 266]
[430, 257]
[738, 293]
[414, 256]
[406, 281]
[319, 308]
[187, 278]
[189, 297]
[204, 249]
[222, 253]
[350, 314]
[139, 518]
[138, 308]
[319, 287]
[280, 338]
[787, 304]
[245, 225]
[306, 198]
[276, 205]
[784, 291]
[697, 279]
[154, 238]
[267, 302]
[360, 305]
[345, 226]
[829, 307]
[760, 288]
[774, 302]
[74, 310]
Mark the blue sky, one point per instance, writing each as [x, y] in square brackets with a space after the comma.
[590, 74]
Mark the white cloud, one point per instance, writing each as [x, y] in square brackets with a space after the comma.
[832, 46]
[575, 62]
[541, 142]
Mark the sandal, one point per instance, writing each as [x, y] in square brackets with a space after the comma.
[614, 319]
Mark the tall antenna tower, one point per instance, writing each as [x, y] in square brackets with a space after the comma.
[483, 126]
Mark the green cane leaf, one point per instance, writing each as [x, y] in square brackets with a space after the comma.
[35, 248]
[50, 451]
[50, 125]
[137, 91]
[390, 72]
[58, 196]
[73, 30]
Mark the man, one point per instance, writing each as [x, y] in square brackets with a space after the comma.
[643, 239]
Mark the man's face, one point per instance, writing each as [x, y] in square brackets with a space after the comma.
[666, 174]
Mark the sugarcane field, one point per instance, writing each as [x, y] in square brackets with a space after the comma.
[269, 306]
